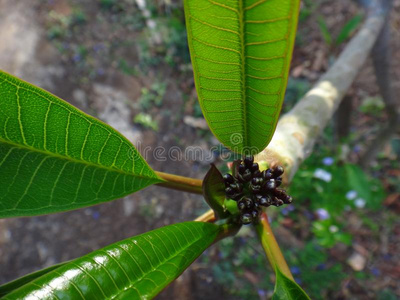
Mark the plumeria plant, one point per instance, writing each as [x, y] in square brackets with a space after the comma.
[55, 158]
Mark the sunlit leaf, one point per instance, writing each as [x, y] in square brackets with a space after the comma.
[53, 157]
[136, 268]
[241, 52]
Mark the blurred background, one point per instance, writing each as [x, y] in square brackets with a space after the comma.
[127, 63]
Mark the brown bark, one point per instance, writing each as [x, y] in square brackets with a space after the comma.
[381, 57]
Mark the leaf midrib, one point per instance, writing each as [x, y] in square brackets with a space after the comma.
[189, 245]
[243, 70]
[74, 160]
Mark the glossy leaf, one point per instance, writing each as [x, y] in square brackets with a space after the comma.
[241, 52]
[214, 191]
[136, 268]
[53, 157]
[286, 289]
[15, 284]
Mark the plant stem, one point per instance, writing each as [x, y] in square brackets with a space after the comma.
[181, 183]
[271, 247]
[208, 216]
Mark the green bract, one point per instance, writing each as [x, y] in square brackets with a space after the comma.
[241, 52]
[53, 157]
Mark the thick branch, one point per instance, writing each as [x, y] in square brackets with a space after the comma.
[382, 59]
[298, 130]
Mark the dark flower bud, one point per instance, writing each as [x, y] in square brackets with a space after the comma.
[255, 188]
[228, 178]
[267, 174]
[248, 161]
[278, 171]
[241, 205]
[248, 202]
[279, 193]
[247, 175]
[287, 199]
[229, 191]
[254, 214]
[256, 181]
[246, 218]
[270, 184]
[255, 167]
[236, 187]
[265, 201]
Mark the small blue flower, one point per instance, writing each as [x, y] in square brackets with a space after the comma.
[309, 215]
[96, 215]
[261, 293]
[285, 211]
[375, 271]
[351, 195]
[298, 281]
[328, 161]
[295, 270]
[322, 214]
[321, 267]
[360, 202]
[357, 149]
[98, 47]
[387, 256]
[323, 175]
[77, 58]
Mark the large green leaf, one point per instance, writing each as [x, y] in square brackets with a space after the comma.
[53, 157]
[136, 268]
[286, 289]
[241, 52]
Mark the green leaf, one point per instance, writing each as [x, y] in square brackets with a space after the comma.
[53, 157]
[370, 190]
[136, 268]
[241, 52]
[287, 289]
[324, 30]
[348, 29]
[15, 284]
[214, 191]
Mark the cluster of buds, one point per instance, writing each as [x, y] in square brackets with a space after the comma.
[252, 189]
